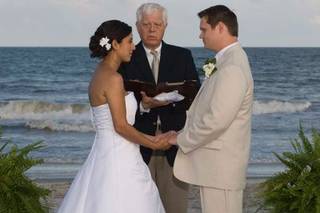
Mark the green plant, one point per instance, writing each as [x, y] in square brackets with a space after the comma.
[297, 189]
[18, 194]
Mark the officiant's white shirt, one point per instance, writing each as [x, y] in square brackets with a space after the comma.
[150, 58]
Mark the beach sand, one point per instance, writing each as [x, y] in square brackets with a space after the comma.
[251, 203]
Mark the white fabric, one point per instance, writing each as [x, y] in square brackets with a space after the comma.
[150, 56]
[142, 109]
[173, 96]
[114, 177]
[150, 59]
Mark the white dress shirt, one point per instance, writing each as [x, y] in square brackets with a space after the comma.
[149, 55]
[150, 58]
[221, 52]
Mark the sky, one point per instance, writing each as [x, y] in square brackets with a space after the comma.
[262, 23]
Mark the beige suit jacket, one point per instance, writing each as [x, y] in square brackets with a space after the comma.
[215, 142]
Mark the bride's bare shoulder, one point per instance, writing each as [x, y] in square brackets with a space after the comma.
[102, 84]
[106, 76]
[115, 78]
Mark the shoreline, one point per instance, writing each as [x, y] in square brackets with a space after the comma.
[60, 186]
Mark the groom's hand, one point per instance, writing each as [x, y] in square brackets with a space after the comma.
[162, 140]
[172, 139]
[162, 136]
[162, 144]
[149, 103]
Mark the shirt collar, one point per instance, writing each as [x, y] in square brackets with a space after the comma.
[158, 49]
[221, 52]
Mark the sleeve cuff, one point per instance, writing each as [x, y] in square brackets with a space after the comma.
[142, 109]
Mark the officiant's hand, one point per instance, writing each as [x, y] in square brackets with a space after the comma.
[149, 103]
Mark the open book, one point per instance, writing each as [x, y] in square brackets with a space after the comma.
[188, 89]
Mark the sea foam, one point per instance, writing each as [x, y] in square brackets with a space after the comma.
[275, 106]
[76, 117]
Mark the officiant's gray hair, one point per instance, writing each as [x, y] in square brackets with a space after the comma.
[148, 8]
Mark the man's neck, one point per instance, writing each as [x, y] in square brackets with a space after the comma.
[152, 48]
[221, 52]
[228, 41]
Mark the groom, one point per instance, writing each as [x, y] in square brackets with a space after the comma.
[215, 142]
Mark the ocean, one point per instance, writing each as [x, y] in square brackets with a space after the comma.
[43, 97]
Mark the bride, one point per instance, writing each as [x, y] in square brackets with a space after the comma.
[114, 177]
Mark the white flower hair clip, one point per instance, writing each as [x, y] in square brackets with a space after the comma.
[105, 42]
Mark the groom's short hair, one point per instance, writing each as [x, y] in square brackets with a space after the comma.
[221, 13]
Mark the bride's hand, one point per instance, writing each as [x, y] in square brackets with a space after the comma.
[150, 137]
[165, 136]
[162, 144]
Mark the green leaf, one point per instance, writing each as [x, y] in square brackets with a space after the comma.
[211, 60]
[18, 194]
[297, 189]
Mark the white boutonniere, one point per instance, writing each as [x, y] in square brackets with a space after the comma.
[209, 67]
[105, 42]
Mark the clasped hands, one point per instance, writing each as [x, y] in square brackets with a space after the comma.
[165, 140]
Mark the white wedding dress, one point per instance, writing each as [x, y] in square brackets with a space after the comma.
[114, 178]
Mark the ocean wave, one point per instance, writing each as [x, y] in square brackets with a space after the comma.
[48, 116]
[76, 117]
[275, 106]
[39, 110]
[67, 126]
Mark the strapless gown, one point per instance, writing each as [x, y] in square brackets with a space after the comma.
[114, 177]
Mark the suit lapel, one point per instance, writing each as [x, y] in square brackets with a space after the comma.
[143, 63]
[164, 70]
[219, 64]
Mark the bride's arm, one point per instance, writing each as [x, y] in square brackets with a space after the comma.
[150, 137]
[116, 100]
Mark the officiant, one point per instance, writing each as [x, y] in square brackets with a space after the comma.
[155, 61]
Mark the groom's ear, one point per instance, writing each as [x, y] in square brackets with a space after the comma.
[220, 27]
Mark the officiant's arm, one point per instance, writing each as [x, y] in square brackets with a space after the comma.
[211, 119]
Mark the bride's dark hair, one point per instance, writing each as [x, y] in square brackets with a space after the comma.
[113, 30]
